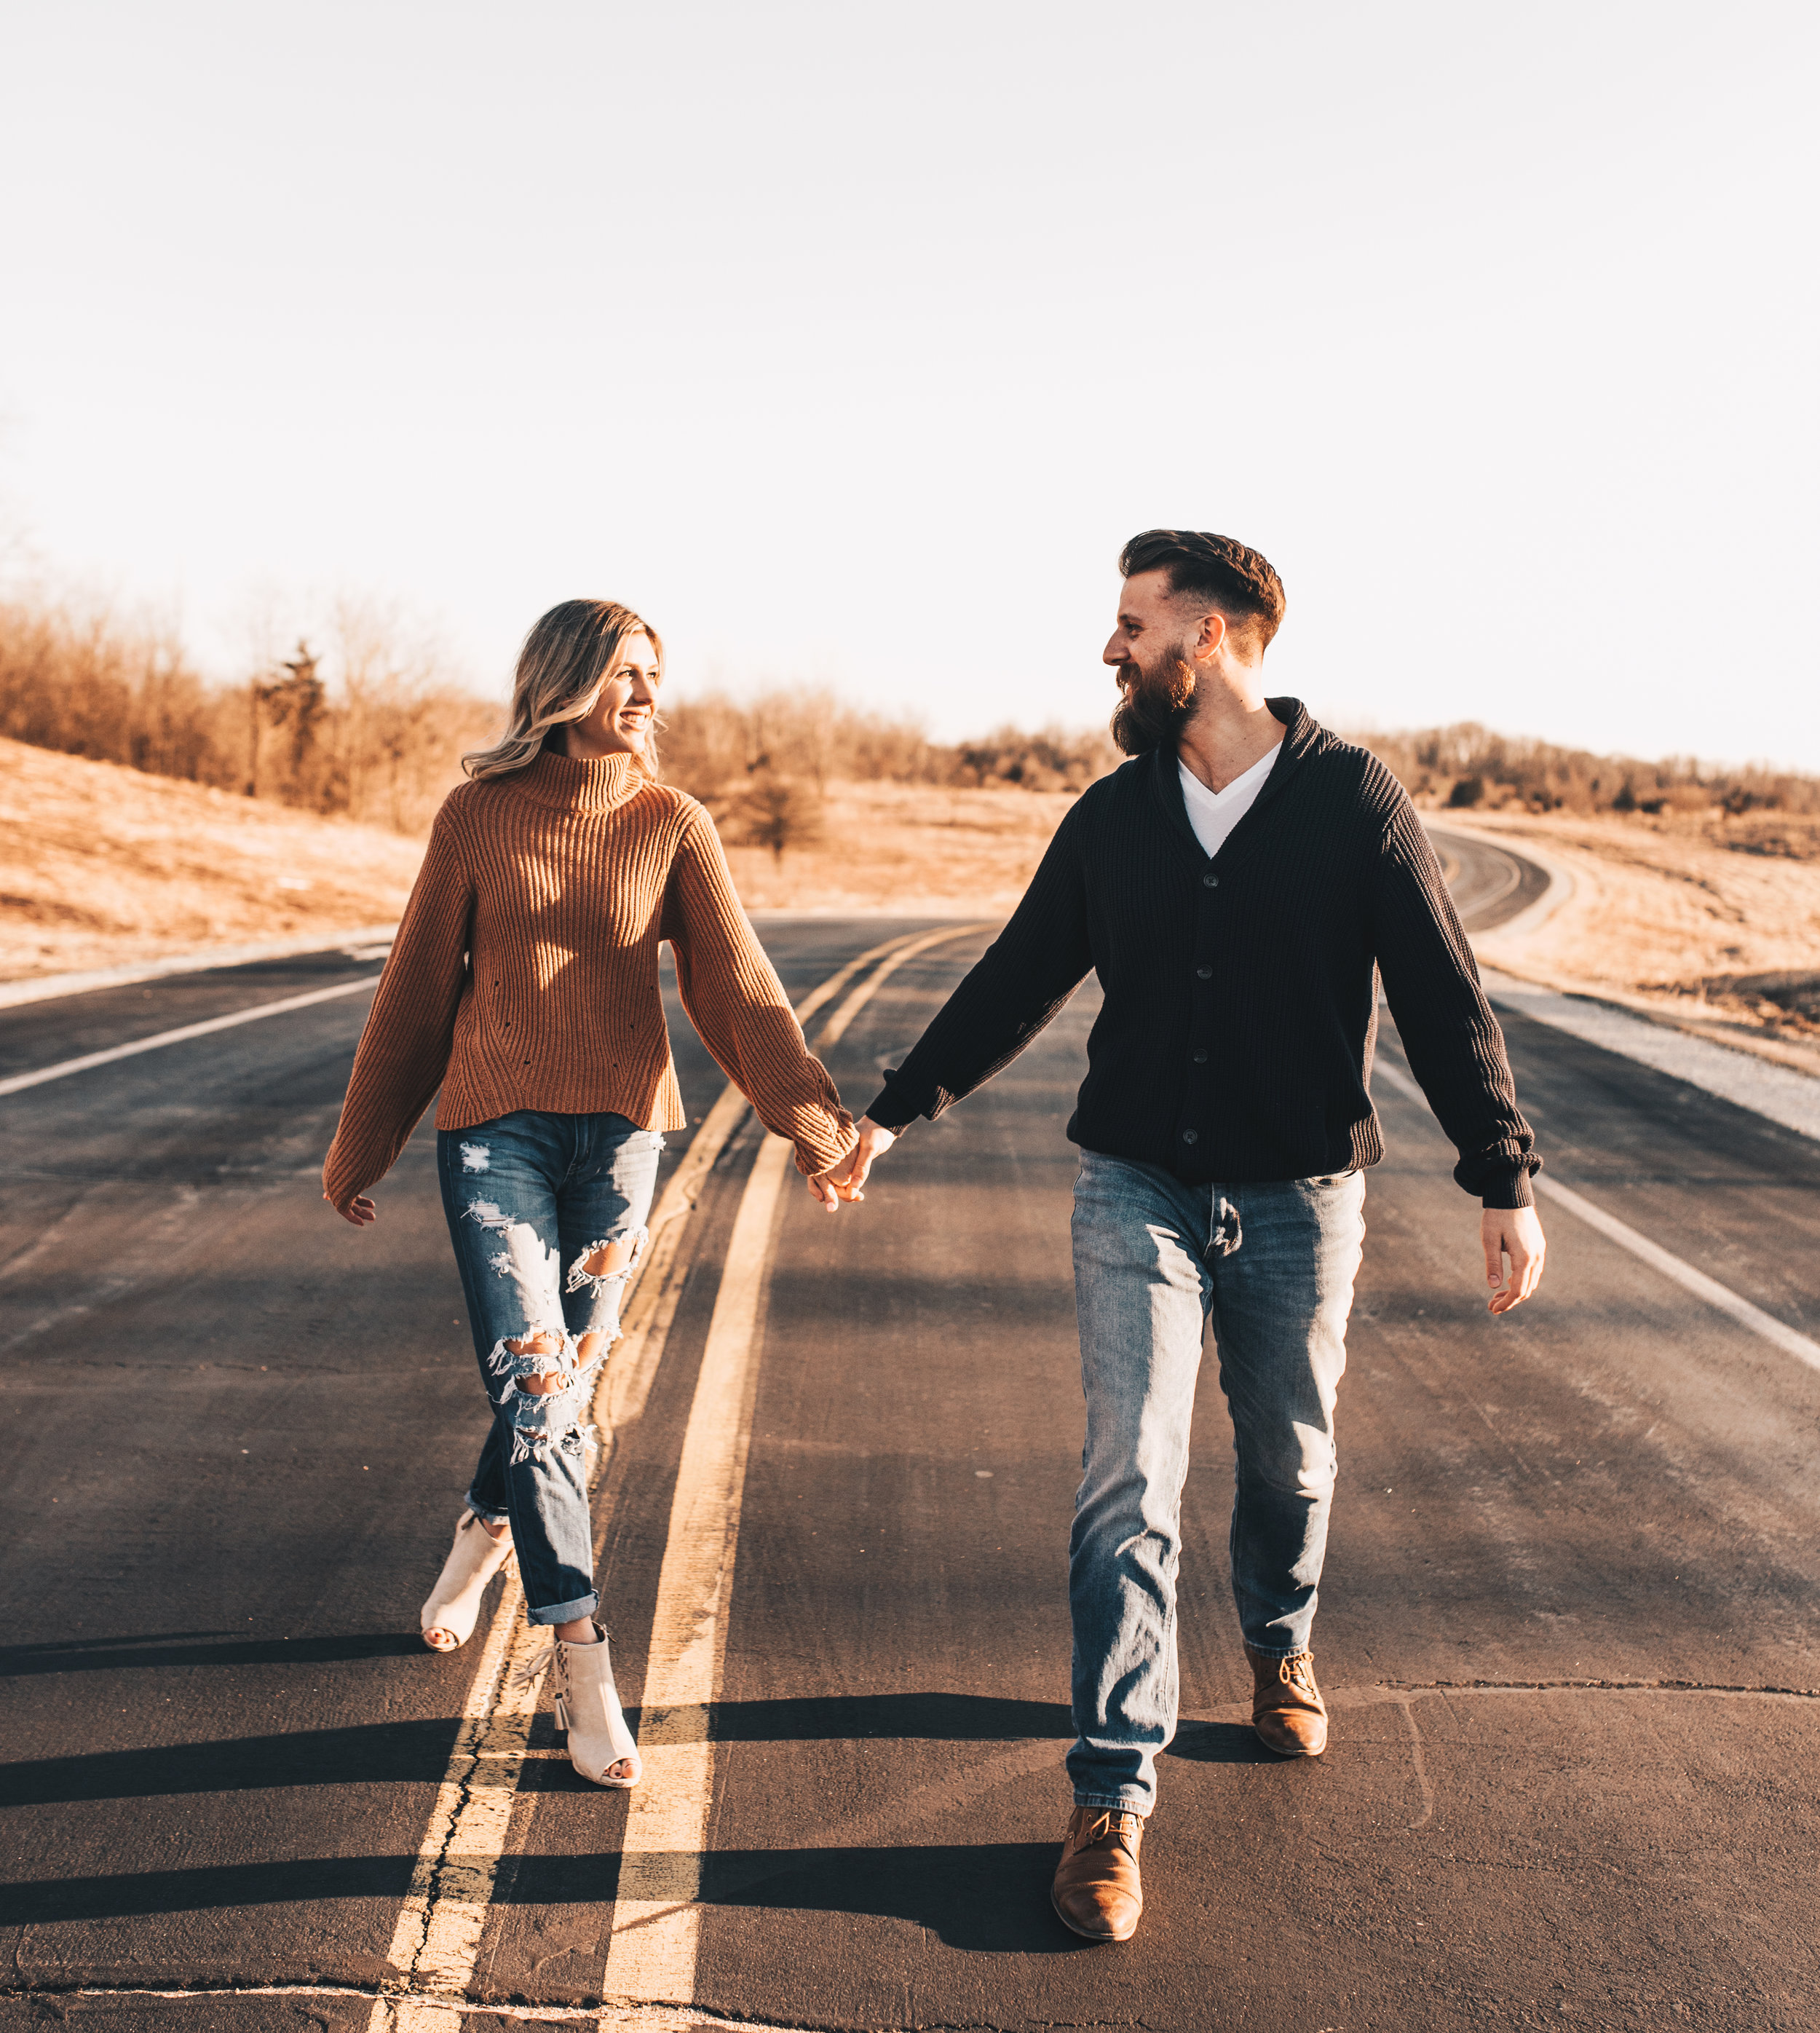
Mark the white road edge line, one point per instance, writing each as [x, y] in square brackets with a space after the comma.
[435, 1943]
[18, 1082]
[1715, 1295]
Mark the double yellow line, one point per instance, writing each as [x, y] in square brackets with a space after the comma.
[657, 1921]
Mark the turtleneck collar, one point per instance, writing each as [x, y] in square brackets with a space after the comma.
[564, 784]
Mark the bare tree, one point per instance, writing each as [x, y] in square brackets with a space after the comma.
[776, 812]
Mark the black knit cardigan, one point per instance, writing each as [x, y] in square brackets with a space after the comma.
[1240, 1016]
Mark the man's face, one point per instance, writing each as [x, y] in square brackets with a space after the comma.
[1152, 650]
[1152, 630]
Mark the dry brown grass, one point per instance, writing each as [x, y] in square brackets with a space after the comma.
[1678, 912]
[908, 847]
[105, 866]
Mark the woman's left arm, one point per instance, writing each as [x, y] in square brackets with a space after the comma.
[737, 1003]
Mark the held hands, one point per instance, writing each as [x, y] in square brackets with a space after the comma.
[1516, 1233]
[846, 1180]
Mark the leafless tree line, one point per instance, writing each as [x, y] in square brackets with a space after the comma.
[361, 715]
[360, 718]
[1468, 766]
[714, 744]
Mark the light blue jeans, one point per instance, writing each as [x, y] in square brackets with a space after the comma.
[530, 1198]
[1270, 1268]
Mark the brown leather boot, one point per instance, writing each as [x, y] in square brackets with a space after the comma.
[1286, 1710]
[1096, 1890]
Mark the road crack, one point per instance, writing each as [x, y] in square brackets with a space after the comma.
[1597, 1687]
[424, 2011]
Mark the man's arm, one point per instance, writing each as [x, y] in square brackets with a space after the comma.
[1454, 1043]
[1456, 1052]
[1021, 981]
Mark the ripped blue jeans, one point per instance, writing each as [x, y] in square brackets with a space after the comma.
[547, 1213]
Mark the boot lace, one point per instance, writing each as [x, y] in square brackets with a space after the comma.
[533, 1668]
[1297, 1673]
[1111, 1824]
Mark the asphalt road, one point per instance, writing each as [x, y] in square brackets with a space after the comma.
[1489, 885]
[1569, 1606]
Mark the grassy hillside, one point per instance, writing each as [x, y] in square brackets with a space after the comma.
[105, 865]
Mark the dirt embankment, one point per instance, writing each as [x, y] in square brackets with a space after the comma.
[104, 866]
[1712, 920]
[908, 847]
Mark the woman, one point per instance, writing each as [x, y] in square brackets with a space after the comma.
[523, 984]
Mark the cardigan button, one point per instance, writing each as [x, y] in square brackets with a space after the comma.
[1210, 883]
[1190, 1135]
[1205, 973]
[1199, 1058]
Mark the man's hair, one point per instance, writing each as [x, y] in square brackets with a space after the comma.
[1239, 582]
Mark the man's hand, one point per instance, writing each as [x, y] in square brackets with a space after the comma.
[1516, 1233]
[846, 1180]
[360, 1210]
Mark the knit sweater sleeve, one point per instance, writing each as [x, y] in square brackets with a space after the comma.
[404, 1050]
[738, 1005]
[1021, 981]
[1455, 1046]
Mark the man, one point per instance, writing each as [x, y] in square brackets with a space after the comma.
[1240, 885]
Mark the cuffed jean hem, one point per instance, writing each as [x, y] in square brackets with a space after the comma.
[564, 1612]
[485, 1512]
[1271, 1651]
[1113, 1804]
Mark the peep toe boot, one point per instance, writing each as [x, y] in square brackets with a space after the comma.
[454, 1602]
[587, 1707]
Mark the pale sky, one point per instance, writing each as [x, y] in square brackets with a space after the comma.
[849, 343]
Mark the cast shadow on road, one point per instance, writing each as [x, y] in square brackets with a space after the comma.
[899, 1718]
[949, 1718]
[417, 1751]
[207, 1888]
[987, 1898]
[991, 1897]
[202, 1647]
[394, 1753]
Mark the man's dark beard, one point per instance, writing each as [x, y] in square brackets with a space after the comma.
[1155, 710]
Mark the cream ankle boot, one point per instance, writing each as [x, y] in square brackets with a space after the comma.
[587, 1707]
[454, 1602]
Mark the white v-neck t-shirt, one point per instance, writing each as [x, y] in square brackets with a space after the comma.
[1214, 813]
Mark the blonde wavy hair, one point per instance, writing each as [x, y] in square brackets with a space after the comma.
[570, 653]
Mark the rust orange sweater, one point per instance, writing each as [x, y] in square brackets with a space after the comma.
[524, 973]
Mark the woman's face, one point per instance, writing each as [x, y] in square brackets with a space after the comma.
[620, 720]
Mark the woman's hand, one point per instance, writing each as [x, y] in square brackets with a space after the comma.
[835, 1185]
[360, 1210]
[844, 1181]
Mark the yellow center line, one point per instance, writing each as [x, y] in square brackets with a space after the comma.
[436, 1941]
